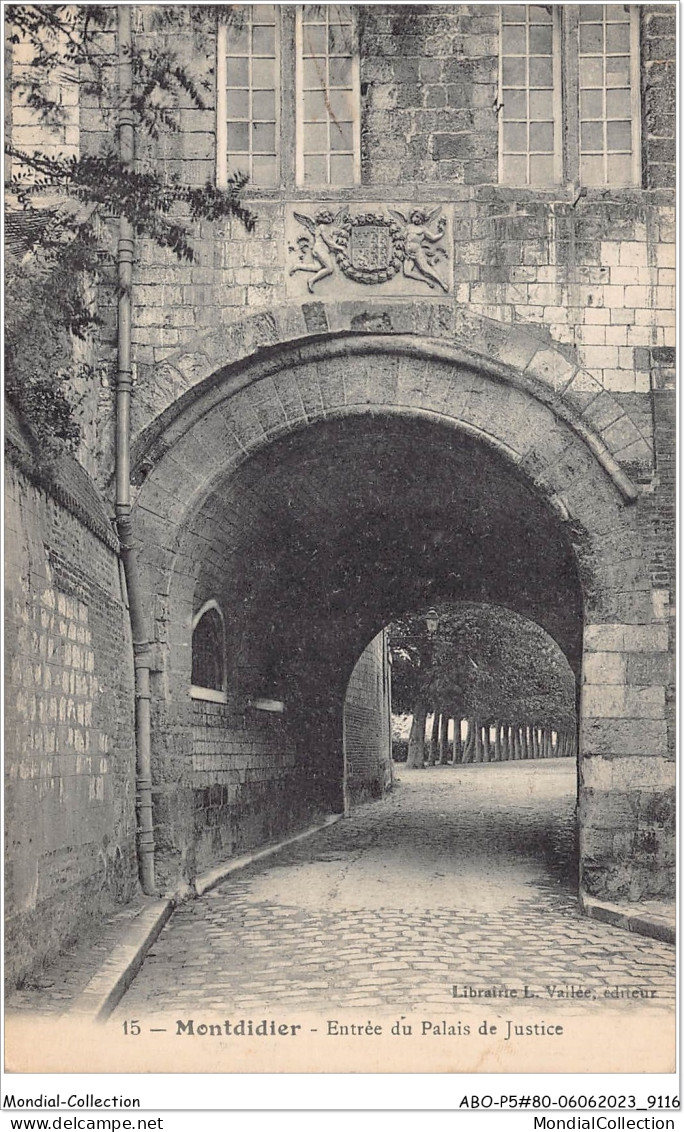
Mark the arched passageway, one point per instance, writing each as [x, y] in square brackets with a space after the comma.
[316, 503]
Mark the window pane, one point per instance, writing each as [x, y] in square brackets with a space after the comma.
[339, 39]
[540, 105]
[263, 14]
[617, 70]
[515, 138]
[541, 137]
[315, 40]
[591, 135]
[591, 39]
[341, 169]
[316, 170]
[515, 104]
[591, 104]
[238, 136]
[541, 72]
[313, 74]
[541, 40]
[618, 104]
[541, 170]
[340, 72]
[263, 105]
[314, 106]
[238, 104]
[313, 14]
[207, 652]
[514, 72]
[591, 72]
[514, 39]
[538, 14]
[588, 12]
[238, 37]
[514, 13]
[263, 137]
[263, 41]
[620, 170]
[340, 105]
[617, 38]
[263, 74]
[239, 162]
[237, 71]
[315, 138]
[515, 170]
[619, 136]
[342, 136]
[591, 171]
[264, 171]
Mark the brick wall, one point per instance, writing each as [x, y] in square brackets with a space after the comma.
[367, 736]
[70, 762]
[243, 776]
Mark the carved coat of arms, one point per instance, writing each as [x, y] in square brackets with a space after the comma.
[373, 247]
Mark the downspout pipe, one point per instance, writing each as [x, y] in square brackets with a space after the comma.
[142, 645]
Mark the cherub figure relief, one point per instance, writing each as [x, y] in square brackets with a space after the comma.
[316, 251]
[422, 231]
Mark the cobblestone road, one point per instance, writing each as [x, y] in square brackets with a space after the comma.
[462, 876]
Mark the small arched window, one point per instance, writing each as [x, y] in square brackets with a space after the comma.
[208, 654]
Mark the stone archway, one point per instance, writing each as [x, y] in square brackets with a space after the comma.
[208, 471]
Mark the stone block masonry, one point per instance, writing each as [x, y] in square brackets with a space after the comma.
[593, 272]
[242, 775]
[367, 724]
[70, 760]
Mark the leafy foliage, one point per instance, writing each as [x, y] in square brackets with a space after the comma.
[46, 309]
[146, 199]
[487, 662]
[60, 45]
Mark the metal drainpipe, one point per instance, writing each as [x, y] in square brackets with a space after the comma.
[142, 646]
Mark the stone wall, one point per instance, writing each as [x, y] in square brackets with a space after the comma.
[243, 778]
[367, 721]
[593, 270]
[69, 750]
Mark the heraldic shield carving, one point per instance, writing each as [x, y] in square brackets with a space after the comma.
[375, 247]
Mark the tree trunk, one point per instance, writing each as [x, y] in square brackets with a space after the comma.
[498, 747]
[517, 744]
[479, 753]
[505, 743]
[535, 740]
[456, 741]
[416, 746]
[469, 749]
[486, 749]
[434, 734]
[526, 753]
[443, 741]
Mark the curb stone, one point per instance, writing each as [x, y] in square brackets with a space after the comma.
[106, 988]
[654, 927]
